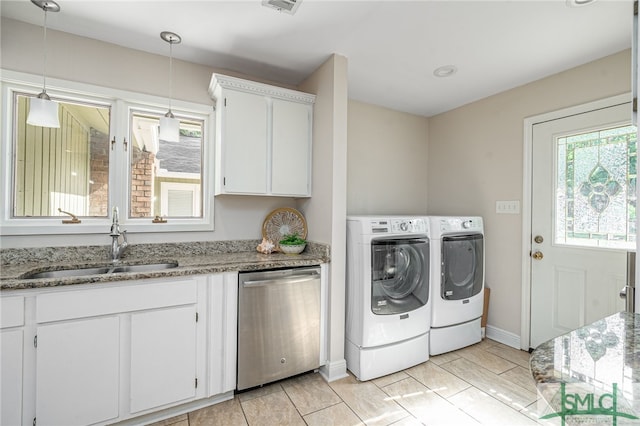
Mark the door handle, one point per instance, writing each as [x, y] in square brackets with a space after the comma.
[537, 255]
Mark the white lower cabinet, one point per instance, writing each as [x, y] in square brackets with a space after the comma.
[163, 357]
[108, 353]
[11, 343]
[11, 359]
[77, 372]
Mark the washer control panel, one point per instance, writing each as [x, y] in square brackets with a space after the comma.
[410, 226]
[399, 225]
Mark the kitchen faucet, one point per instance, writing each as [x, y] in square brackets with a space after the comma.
[116, 248]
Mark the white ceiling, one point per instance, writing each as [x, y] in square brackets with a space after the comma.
[392, 46]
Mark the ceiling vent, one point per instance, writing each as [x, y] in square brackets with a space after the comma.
[288, 6]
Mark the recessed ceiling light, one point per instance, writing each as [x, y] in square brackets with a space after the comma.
[445, 71]
[578, 3]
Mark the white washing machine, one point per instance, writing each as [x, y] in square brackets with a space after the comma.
[457, 282]
[388, 294]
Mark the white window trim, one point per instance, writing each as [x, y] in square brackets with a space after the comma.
[121, 102]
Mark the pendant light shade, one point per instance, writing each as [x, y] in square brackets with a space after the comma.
[42, 110]
[169, 128]
[169, 125]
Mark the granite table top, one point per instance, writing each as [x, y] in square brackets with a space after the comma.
[596, 367]
[192, 258]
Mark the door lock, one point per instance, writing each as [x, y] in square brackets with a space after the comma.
[537, 255]
[538, 239]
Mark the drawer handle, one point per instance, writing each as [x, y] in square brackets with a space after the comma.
[292, 280]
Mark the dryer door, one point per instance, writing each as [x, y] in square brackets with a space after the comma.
[399, 275]
[462, 266]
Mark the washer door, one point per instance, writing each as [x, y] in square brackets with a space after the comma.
[399, 275]
[462, 266]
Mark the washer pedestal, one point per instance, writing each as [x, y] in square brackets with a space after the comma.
[370, 363]
[447, 339]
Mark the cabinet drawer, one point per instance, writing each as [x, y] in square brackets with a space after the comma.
[11, 312]
[105, 301]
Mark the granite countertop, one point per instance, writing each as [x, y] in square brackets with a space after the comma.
[192, 259]
[592, 360]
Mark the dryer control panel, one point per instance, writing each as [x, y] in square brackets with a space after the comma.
[452, 224]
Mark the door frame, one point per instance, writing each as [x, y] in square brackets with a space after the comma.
[527, 201]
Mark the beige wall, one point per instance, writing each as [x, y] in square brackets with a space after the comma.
[476, 159]
[90, 61]
[326, 210]
[387, 161]
[85, 60]
[474, 154]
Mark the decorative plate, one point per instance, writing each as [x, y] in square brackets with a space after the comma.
[281, 222]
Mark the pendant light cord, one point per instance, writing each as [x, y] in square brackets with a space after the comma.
[44, 48]
[170, 72]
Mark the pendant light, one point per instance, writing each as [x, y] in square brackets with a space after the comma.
[42, 110]
[169, 125]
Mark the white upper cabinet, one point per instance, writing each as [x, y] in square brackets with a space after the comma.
[263, 138]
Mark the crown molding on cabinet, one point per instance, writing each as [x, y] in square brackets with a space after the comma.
[228, 82]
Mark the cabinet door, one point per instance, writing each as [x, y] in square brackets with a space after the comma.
[163, 357]
[291, 148]
[11, 375]
[77, 372]
[244, 141]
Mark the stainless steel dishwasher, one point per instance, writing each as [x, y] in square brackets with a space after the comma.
[278, 324]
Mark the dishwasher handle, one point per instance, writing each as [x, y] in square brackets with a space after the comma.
[294, 279]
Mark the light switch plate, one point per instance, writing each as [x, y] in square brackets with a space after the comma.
[508, 207]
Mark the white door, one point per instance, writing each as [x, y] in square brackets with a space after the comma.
[163, 357]
[582, 219]
[11, 377]
[245, 142]
[78, 372]
[291, 148]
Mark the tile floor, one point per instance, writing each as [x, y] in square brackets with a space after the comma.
[487, 383]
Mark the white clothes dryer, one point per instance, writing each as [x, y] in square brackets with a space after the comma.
[457, 277]
[388, 294]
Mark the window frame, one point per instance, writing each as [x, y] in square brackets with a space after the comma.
[122, 103]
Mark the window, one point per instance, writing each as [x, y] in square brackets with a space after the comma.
[596, 188]
[155, 163]
[106, 153]
[65, 169]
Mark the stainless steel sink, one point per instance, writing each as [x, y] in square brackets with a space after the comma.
[142, 268]
[112, 269]
[62, 273]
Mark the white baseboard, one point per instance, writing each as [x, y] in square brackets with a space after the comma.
[176, 411]
[334, 370]
[502, 336]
